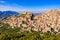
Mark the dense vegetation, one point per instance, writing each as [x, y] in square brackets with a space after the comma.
[7, 33]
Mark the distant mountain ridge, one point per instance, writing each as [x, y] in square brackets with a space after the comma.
[4, 14]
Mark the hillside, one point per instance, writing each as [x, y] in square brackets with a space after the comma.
[46, 21]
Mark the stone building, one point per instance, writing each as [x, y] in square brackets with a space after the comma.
[42, 22]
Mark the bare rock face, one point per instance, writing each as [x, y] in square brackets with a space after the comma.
[43, 22]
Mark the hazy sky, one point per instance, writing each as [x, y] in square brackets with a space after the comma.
[29, 5]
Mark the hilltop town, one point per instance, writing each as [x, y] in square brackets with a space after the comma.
[46, 21]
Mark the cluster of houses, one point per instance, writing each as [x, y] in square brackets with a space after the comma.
[47, 21]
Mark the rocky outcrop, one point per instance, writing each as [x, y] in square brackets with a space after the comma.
[44, 22]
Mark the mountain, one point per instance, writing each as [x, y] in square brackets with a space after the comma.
[5, 14]
[46, 22]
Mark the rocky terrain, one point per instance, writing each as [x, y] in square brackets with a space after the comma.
[46, 21]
